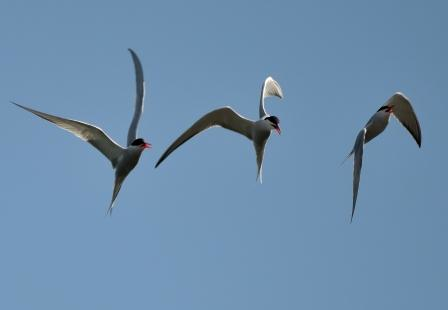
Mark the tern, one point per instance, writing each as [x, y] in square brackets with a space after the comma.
[256, 131]
[123, 159]
[397, 105]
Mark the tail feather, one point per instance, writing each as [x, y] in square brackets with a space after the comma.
[259, 174]
[117, 187]
[348, 156]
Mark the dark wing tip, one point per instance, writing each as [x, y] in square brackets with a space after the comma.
[22, 107]
[135, 58]
[133, 54]
[161, 159]
[418, 140]
[416, 135]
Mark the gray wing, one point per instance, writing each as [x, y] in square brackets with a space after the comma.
[92, 134]
[270, 88]
[223, 117]
[140, 96]
[358, 150]
[403, 111]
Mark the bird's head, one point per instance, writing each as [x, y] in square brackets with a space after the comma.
[386, 109]
[274, 122]
[141, 144]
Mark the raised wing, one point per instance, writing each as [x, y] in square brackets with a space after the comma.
[358, 150]
[140, 96]
[403, 111]
[94, 135]
[223, 117]
[270, 88]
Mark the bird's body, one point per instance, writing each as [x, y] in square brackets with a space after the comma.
[128, 160]
[256, 131]
[401, 108]
[123, 160]
[376, 125]
[261, 133]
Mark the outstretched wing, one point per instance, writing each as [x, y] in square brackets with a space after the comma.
[92, 134]
[270, 88]
[223, 117]
[358, 150]
[403, 111]
[140, 96]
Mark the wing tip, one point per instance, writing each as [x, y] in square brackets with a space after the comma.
[161, 159]
[268, 79]
[417, 138]
[22, 107]
[10, 101]
[401, 95]
[137, 62]
[279, 91]
[416, 135]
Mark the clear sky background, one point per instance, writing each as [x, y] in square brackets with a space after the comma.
[199, 232]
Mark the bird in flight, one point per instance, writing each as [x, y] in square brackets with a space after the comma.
[123, 159]
[257, 131]
[397, 105]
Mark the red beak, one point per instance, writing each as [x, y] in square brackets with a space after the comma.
[279, 131]
[147, 145]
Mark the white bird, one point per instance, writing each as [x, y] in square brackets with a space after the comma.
[401, 108]
[257, 131]
[123, 159]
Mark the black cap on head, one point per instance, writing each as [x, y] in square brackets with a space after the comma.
[273, 119]
[138, 142]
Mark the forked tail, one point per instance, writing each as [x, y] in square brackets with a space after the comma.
[117, 187]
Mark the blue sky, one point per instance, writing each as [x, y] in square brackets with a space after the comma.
[199, 232]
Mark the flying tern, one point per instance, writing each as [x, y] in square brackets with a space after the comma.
[398, 105]
[257, 131]
[123, 159]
